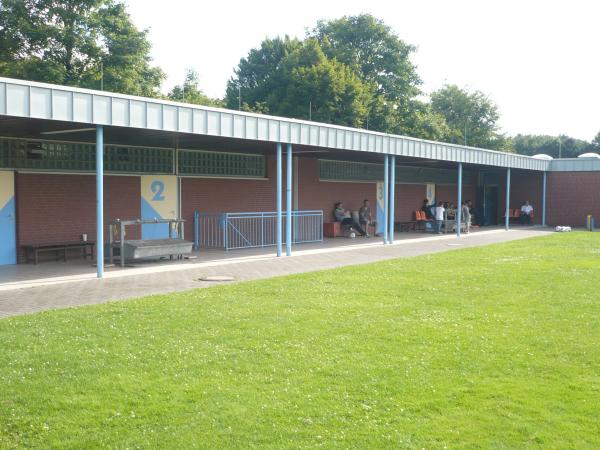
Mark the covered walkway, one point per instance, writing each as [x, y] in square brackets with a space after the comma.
[26, 289]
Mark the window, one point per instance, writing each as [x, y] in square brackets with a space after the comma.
[196, 162]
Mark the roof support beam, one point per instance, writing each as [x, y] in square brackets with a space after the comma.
[507, 209]
[392, 188]
[458, 220]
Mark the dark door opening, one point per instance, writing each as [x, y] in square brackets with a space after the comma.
[490, 205]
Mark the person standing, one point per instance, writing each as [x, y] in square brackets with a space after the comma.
[466, 216]
[439, 217]
[364, 216]
[526, 213]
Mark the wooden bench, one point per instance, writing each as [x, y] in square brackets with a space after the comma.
[60, 249]
[410, 225]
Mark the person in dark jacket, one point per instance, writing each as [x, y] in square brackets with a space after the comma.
[345, 218]
[426, 208]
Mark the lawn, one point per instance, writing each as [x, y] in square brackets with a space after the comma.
[491, 347]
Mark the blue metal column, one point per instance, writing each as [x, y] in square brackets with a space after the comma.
[288, 203]
[544, 201]
[100, 201]
[459, 201]
[278, 200]
[507, 209]
[385, 199]
[392, 199]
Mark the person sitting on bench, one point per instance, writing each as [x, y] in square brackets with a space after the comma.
[345, 218]
[526, 212]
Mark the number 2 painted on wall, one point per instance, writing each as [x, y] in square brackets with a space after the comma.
[158, 188]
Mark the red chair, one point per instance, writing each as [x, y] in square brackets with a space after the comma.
[421, 219]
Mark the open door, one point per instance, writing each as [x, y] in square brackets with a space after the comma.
[8, 232]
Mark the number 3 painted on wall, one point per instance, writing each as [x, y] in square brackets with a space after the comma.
[157, 188]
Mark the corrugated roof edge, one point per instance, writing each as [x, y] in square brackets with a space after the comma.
[257, 115]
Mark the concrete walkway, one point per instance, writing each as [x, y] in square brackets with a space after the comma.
[22, 298]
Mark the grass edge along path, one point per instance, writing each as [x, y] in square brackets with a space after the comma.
[493, 346]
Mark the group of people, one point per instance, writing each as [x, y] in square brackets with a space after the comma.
[344, 216]
[446, 210]
[438, 213]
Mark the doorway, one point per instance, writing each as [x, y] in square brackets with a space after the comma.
[490, 205]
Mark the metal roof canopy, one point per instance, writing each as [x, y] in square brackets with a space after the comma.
[575, 165]
[70, 107]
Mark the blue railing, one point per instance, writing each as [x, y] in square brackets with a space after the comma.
[253, 229]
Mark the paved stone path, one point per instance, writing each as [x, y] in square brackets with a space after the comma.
[92, 291]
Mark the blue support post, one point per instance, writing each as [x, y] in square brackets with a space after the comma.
[392, 199]
[278, 200]
[100, 201]
[459, 201]
[385, 198]
[507, 209]
[544, 200]
[288, 203]
[196, 225]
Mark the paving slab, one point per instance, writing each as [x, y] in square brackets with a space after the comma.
[31, 296]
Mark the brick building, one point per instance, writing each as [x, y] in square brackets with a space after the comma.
[169, 159]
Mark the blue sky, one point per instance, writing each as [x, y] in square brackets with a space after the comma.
[538, 60]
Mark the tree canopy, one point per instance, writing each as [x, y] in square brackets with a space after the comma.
[596, 142]
[377, 55]
[352, 71]
[295, 78]
[189, 91]
[354, 64]
[76, 43]
[471, 117]
[556, 146]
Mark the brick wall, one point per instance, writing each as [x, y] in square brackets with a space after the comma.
[217, 195]
[55, 208]
[408, 198]
[221, 195]
[571, 196]
[322, 195]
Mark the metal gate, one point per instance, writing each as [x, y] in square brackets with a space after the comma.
[253, 229]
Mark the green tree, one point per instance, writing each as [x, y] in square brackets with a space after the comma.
[471, 116]
[596, 142]
[258, 74]
[429, 124]
[555, 146]
[190, 92]
[373, 51]
[332, 90]
[300, 82]
[74, 42]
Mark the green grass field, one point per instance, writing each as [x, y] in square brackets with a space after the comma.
[491, 347]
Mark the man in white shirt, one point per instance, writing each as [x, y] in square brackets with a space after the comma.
[526, 213]
[439, 217]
